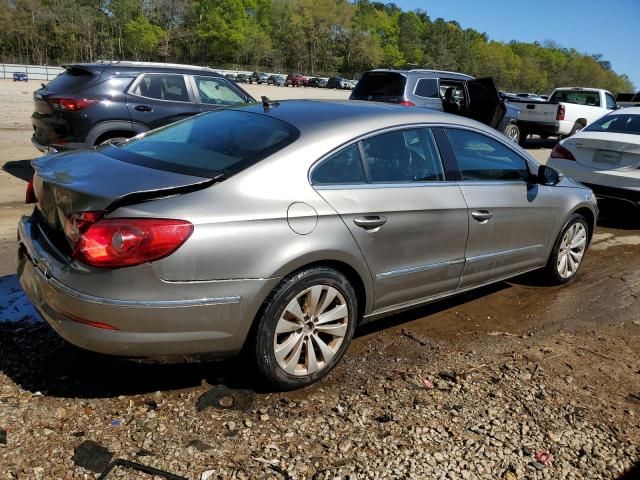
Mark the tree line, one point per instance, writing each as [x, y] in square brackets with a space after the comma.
[312, 37]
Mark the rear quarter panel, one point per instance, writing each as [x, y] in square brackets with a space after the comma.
[244, 228]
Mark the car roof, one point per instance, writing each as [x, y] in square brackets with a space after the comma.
[627, 111]
[426, 73]
[141, 67]
[337, 118]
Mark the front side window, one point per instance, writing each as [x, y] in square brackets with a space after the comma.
[403, 156]
[344, 167]
[611, 102]
[216, 91]
[482, 158]
[163, 87]
[223, 142]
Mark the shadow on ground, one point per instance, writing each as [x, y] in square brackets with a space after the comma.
[20, 169]
[536, 143]
[618, 215]
[631, 474]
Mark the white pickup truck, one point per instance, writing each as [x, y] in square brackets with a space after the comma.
[567, 111]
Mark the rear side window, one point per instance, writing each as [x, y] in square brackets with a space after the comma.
[344, 167]
[620, 123]
[221, 142]
[403, 156]
[163, 87]
[576, 96]
[69, 81]
[482, 158]
[427, 87]
[379, 84]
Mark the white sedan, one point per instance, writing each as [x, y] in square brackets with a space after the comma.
[604, 156]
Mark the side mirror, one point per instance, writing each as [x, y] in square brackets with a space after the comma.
[548, 175]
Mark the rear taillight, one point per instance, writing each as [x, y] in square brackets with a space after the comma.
[560, 113]
[77, 223]
[560, 152]
[30, 196]
[71, 104]
[124, 242]
[406, 103]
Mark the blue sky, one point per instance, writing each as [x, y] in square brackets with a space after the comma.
[611, 28]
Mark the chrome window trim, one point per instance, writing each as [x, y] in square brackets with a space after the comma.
[485, 256]
[187, 84]
[419, 268]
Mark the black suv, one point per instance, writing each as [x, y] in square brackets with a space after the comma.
[451, 92]
[91, 103]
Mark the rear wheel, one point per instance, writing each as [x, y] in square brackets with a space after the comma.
[568, 251]
[305, 328]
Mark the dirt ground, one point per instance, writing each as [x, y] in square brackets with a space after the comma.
[471, 387]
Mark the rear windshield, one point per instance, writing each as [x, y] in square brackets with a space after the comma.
[69, 81]
[217, 143]
[619, 123]
[379, 84]
[577, 97]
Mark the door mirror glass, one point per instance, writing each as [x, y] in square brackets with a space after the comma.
[548, 175]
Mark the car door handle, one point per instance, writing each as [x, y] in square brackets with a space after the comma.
[482, 215]
[143, 108]
[370, 221]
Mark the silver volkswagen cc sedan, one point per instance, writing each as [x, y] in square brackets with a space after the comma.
[277, 228]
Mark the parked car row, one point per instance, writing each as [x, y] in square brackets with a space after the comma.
[292, 80]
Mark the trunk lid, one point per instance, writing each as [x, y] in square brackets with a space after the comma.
[65, 183]
[605, 152]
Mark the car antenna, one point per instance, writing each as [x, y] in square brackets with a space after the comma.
[267, 103]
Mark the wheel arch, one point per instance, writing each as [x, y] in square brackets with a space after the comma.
[591, 219]
[362, 287]
[102, 129]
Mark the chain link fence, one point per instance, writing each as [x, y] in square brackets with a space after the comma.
[34, 72]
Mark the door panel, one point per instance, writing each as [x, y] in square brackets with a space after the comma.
[159, 99]
[419, 250]
[484, 103]
[516, 235]
[510, 219]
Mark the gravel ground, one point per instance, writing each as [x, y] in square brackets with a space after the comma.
[515, 381]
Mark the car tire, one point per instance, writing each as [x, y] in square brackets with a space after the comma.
[512, 132]
[575, 232]
[287, 335]
[576, 128]
[522, 137]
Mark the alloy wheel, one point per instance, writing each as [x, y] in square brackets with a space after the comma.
[572, 247]
[311, 330]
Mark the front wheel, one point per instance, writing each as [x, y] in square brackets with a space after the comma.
[522, 137]
[305, 328]
[568, 251]
[512, 132]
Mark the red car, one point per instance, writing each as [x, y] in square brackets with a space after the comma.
[295, 80]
